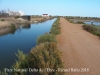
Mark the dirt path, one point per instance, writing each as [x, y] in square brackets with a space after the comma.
[80, 49]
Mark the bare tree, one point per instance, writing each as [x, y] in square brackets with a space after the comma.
[3, 13]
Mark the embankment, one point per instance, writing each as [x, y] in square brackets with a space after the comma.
[80, 49]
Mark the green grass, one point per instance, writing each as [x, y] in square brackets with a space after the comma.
[92, 29]
[46, 38]
[55, 30]
[55, 27]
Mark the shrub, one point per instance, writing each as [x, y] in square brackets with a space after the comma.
[46, 38]
[2, 20]
[12, 25]
[17, 17]
[79, 22]
[55, 30]
[46, 55]
[21, 63]
[22, 60]
[12, 28]
[89, 28]
[92, 29]
[3, 73]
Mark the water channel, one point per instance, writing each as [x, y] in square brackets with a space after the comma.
[24, 39]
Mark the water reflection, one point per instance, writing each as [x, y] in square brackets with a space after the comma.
[28, 26]
[9, 30]
[94, 23]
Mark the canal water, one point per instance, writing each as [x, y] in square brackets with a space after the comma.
[89, 22]
[23, 39]
[94, 23]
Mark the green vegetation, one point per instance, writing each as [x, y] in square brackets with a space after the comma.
[55, 27]
[2, 20]
[12, 25]
[46, 55]
[17, 17]
[3, 73]
[46, 38]
[12, 28]
[79, 22]
[92, 29]
[22, 61]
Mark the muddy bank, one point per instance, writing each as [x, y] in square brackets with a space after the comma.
[8, 21]
[6, 31]
[10, 25]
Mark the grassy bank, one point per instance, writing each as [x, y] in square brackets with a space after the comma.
[55, 27]
[92, 29]
[44, 55]
[46, 38]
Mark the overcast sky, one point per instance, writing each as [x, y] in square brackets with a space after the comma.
[54, 7]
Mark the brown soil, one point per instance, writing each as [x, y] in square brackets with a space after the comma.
[4, 23]
[8, 22]
[80, 49]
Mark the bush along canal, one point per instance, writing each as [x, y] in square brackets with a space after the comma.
[45, 55]
[92, 29]
[24, 39]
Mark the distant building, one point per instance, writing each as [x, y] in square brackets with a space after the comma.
[45, 15]
[26, 17]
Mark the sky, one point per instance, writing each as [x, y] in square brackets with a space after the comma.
[85, 8]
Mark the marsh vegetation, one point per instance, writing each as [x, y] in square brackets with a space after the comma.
[92, 29]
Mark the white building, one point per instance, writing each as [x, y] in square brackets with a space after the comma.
[45, 15]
